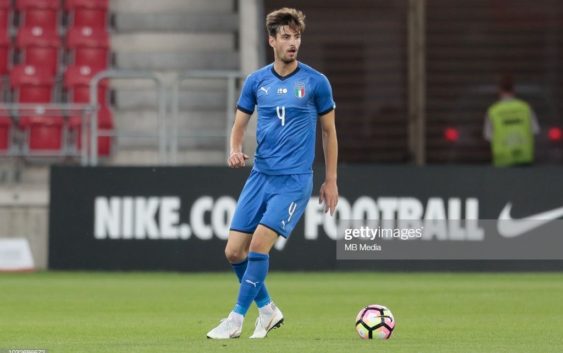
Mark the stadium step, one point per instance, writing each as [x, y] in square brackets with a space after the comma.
[196, 129]
[151, 6]
[183, 21]
[171, 36]
[201, 140]
[172, 42]
[143, 120]
[199, 100]
[150, 157]
[190, 84]
[178, 61]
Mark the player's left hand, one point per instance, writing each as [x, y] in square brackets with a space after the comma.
[329, 196]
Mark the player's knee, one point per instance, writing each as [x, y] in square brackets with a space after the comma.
[260, 246]
[263, 240]
[234, 255]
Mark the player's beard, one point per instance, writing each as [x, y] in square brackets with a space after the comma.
[286, 59]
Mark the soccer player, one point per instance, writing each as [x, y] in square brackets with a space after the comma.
[290, 97]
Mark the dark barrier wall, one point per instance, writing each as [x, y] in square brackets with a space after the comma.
[177, 218]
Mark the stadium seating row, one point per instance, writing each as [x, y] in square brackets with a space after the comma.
[43, 47]
[35, 63]
[48, 13]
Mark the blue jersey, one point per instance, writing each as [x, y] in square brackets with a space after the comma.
[288, 108]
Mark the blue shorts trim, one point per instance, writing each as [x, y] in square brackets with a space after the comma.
[243, 231]
[273, 230]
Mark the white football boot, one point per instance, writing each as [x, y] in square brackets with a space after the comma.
[231, 327]
[267, 321]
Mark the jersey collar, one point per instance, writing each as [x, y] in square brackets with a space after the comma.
[288, 75]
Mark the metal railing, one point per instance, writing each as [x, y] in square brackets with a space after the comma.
[167, 133]
[161, 116]
[230, 76]
[19, 143]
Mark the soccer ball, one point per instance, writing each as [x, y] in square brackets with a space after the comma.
[375, 321]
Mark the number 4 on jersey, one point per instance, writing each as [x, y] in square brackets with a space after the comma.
[280, 111]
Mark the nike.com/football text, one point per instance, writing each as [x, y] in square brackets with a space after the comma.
[382, 233]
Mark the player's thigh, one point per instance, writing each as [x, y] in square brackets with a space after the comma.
[287, 206]
[251, 204]
[263, 240]
[237, 246]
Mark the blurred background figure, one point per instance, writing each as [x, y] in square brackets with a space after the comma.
[510, 126]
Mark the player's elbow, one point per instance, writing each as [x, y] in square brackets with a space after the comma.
[328, 131]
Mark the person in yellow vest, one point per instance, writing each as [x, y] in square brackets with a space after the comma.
[510, 126]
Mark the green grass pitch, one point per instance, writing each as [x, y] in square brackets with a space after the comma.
[170, 312]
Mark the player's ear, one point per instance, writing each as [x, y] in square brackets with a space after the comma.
[271, 41]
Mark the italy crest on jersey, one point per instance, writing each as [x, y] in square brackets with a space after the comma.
[300, 90]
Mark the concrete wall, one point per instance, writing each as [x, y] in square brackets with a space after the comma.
[24, 213]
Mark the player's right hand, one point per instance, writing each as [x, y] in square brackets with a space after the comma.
[237, 160]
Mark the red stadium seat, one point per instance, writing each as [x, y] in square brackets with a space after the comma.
[39, 47]
[105, 124]
[31, 84]
[44, 133]
[4, 36]
[41, 13]
[77, 83]
[4, 52]
[4, 15]
[88, 13]
[5, 127]
[89, 46]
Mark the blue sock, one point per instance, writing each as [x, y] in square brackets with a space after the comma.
[263, 297]
[252, 281]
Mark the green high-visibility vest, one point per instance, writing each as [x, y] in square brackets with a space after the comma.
[512, 139]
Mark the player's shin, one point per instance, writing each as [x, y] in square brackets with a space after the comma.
[252, 281]
[263, 297]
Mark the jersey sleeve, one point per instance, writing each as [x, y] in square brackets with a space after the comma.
[324, 101]
[247, 99]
